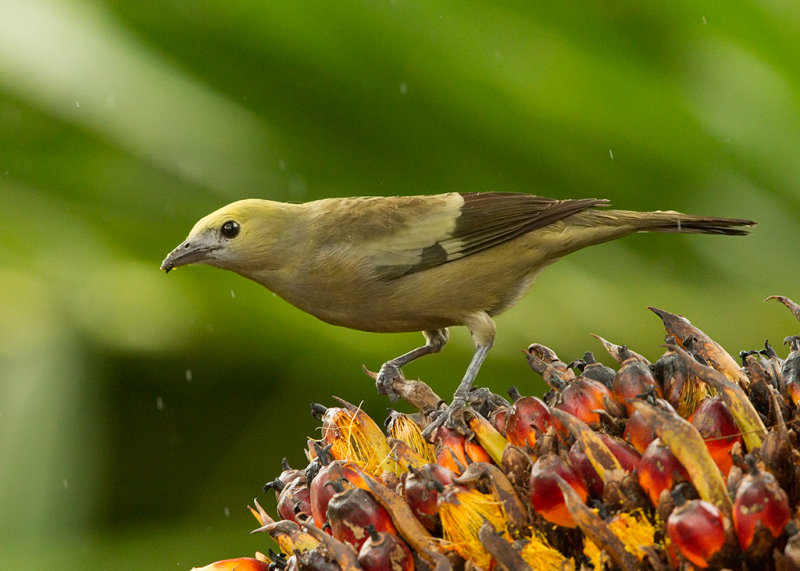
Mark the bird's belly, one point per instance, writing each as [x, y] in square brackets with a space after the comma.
[416, 305]
[375, 314]
[439, 297]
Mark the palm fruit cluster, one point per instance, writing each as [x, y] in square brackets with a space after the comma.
[690, 462]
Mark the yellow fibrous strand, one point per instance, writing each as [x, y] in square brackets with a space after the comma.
[354, 436]
[633, 529]
[403, 428]
[540, 556]
[463, 512]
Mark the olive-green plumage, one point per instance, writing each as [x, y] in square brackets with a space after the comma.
[416, 263]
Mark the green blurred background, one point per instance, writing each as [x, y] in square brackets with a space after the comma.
[140, 414]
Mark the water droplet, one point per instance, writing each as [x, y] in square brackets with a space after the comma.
[233, 294]
[227, 511]
[188, 375]
[404, 88]
[611, 154]
[159, 403]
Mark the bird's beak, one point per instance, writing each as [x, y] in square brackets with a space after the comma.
[189, 252]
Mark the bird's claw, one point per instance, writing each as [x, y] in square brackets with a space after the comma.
[385, 379]
[453, 416]
[484, 401]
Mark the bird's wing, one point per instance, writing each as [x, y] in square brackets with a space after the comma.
[465, 224]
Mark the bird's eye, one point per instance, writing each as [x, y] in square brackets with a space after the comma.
[230, 229]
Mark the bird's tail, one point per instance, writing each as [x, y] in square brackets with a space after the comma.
[671, 221]
[596, 225]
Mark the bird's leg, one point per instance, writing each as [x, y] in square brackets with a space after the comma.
[483, 330]
[465, 387]
[435, 340]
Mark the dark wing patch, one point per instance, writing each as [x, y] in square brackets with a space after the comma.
[490, 218]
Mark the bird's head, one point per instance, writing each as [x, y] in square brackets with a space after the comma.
[238, 237]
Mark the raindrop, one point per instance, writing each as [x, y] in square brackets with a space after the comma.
[404, 88]
[159, 403]
[611, 154]
[233, 294]
[188, 375]
[65, 483]
[78, 104]
[227, 511]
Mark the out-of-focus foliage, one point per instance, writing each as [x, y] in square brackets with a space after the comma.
[139, 413]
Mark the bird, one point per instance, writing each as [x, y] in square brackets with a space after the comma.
[415, 263]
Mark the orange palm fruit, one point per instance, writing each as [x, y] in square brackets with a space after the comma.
[546, 497]
[529, 418]
[696, 528]
[716, 425]
[760, 509]
[660, 470]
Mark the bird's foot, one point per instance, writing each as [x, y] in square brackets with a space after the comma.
[484, 401]
[385, 379]
[454, 415]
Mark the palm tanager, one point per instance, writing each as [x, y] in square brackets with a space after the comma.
[414, 263]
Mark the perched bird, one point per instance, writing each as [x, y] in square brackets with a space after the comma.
[414, 263]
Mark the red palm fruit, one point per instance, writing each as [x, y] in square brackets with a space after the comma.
[639, 432]
[293, 498]
[320, 493]
[422, 489]
[627, 456]
[455, 452]
[716, 425]
[760, 510]
[582, 397]
[529, 417]
[582, 465]
[498, 418]
[633, 380]
[291, 492]
[660, 470]
[351, 510]
[546, 496]
[385, 552]
[696, 528]
[237, 564]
